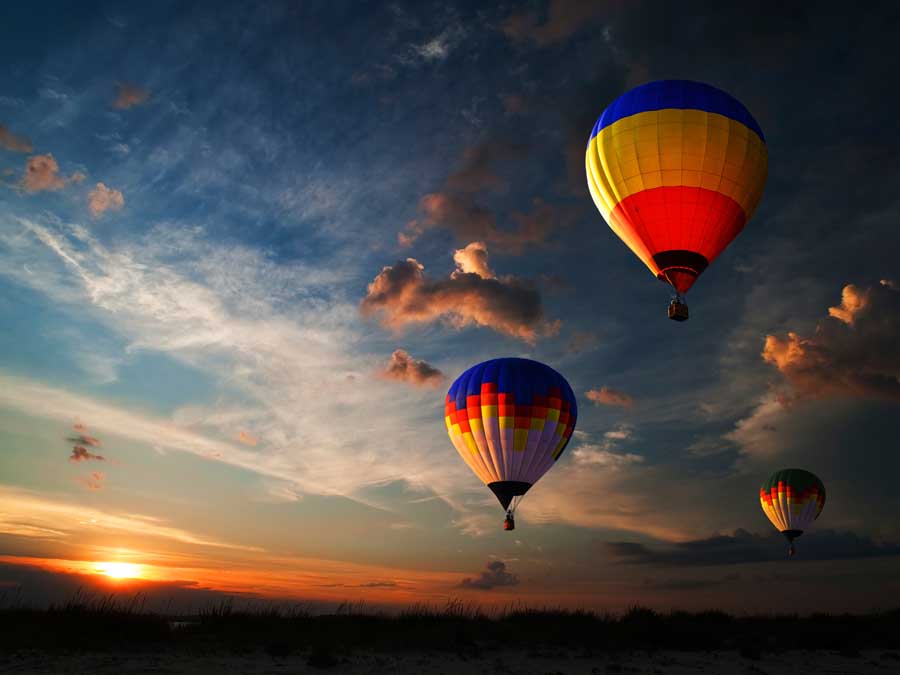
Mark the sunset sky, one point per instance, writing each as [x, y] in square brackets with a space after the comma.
[201, 396]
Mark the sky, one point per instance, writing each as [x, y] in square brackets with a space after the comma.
[203, 395]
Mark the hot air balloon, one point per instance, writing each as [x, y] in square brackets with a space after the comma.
[792, 499]
[510, 420]
[677, 169]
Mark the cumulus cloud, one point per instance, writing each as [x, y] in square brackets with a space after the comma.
[608, 396]
[12, 142]
[42, 173]
[492, 576]
[128, 96]
[564, 19]
[853, 301]
[82, 454]
[102, 199]
[473, 259]
[852, 353]
[402, 294]
[404, 368]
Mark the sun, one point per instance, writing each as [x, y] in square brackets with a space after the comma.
[119, 570]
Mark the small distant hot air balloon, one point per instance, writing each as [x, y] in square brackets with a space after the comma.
[677, 169]
[510, 420]
[792, 499]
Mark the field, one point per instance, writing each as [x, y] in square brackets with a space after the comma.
[105, 635]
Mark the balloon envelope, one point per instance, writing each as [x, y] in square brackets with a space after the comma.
[510, 420]
[677, 169]
[792, 499]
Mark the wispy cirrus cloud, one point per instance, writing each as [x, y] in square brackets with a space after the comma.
[223, 310]
[26, 513]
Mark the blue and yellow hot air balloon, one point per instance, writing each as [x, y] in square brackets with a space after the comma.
[677, 169]
[510, 420]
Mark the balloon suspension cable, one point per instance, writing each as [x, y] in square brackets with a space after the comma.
[514, 504]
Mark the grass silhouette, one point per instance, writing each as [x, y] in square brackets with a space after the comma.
[115, 623]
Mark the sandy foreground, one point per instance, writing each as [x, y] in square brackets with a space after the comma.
[511, 662]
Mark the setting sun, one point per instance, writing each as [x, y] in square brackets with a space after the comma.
[119, 570]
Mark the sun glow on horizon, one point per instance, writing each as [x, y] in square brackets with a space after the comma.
[119, 570]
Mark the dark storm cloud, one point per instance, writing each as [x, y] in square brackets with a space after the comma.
[854, 352]
[404, 368]
[402, 294]
[492, 576]
[745, 547]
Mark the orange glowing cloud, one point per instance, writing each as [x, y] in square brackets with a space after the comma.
[128, 96]
[402, 294]
[856, 355]
[42, 173]
[607, 396]
[404, 368]
[10, 141]
[102, 199]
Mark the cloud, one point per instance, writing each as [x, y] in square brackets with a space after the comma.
[564, 19]
[456, 209]
[285, 329]
[744, 547]
[102, 199]
[25, 513]
[128, 96]
[247, 438]
[94, 480]
[493, 576]
[12, 142]
[82, 439]
[478, 170]
[598, 455]
[402, 294]
[852, 353]
[82, 454]
[473, 259]
[607, 396]
[42, 173]
[404, 368]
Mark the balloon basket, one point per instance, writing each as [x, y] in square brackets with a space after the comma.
[509, 523]
[678, 309]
